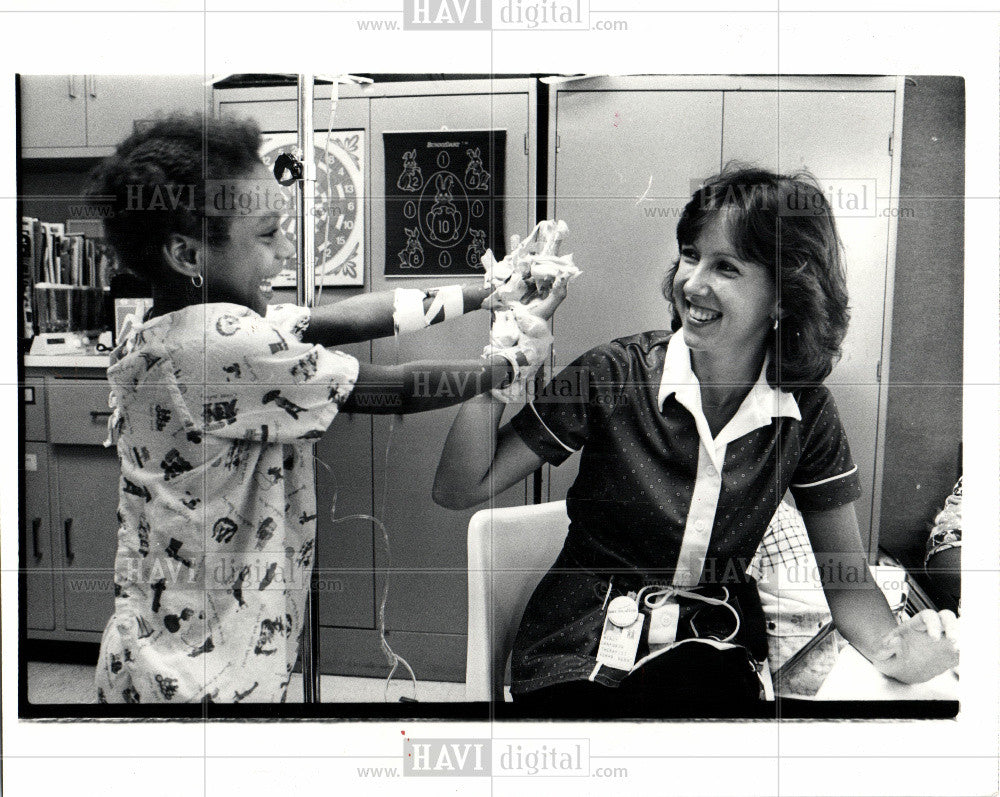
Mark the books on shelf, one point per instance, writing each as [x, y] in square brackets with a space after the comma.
[26, 254]
[50, 255]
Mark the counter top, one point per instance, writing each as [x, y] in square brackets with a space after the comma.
[95, 361]
[853, 677]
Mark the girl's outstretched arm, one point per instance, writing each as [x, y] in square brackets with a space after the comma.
[423, 385]
[429, 385]
[374, 315]
[912, 652]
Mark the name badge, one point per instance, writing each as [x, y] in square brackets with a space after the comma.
[620, 638]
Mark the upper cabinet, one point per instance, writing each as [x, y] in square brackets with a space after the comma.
[87, 115]
[53, 111]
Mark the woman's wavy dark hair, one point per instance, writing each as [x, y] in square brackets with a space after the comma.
[156, 184]
[786, 224]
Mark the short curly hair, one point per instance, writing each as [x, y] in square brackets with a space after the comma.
[786, 224]
[155, 184]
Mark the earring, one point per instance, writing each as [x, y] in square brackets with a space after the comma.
[197, 280]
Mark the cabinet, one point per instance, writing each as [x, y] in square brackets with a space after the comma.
[843, 138]
[71, 499]
[53, 111]
[36, 537]
[428, 587]
[87, 115]
[37, 540]
[625, 155]
[86, 479]
[344, 490]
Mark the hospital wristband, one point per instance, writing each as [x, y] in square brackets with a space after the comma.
[408, 310]
[448, 302]
[521, 373]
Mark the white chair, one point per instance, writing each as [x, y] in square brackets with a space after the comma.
[510, 549]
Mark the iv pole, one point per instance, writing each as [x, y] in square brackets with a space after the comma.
[306, 296]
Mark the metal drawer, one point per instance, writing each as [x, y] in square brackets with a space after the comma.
[78, 411]
[33, 398]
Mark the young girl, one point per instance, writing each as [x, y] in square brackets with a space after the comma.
[689, 440]
[218, 399]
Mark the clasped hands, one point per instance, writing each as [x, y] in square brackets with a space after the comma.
[920, 648]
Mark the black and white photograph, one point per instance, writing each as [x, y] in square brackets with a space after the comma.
[448, 405]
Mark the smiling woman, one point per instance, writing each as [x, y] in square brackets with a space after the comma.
[725, 296]
[680, 475]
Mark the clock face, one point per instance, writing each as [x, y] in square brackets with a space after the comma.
[338, 206]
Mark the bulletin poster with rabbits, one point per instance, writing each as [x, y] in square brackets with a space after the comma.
[443, 201]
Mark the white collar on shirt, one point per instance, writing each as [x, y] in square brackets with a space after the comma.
[762, 404]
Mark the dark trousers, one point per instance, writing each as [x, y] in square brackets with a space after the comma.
[691, 680]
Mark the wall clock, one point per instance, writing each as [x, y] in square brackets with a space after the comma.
[339, 206]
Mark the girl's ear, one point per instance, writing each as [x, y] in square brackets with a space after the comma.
[182, 254]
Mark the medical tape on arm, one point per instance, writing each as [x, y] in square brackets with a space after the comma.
[450, 299]
[511, 356]
[408, 310]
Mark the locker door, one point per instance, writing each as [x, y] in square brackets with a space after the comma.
[344, 488]
[37, 539]
[843, 139]
[624, 164]
[428, 583]
[88, 479]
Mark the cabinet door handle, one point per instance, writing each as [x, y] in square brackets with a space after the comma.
[93, 85]
[67, 528]
[71, 86]
[95, 414]
[36, 525]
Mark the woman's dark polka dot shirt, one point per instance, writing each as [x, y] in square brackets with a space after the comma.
[649, 502]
